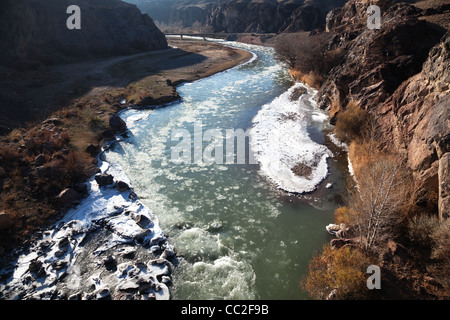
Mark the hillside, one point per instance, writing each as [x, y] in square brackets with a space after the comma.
[241, 16]
[35, 32]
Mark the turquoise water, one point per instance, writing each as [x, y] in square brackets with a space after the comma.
[238, 235]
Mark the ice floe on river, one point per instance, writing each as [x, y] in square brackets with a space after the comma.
[281, 140]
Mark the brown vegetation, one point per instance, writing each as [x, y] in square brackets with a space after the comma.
[308, 56]
[338, 274]
[350, 122]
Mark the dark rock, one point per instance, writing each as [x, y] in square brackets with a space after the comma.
[107, 134]
[60, 252]
[59, 265]
[145, 285]
[93, 150]
[159, 262]
[143, 222]
[104, 179]
[68, 197]
[103, 294]
[35, 265]
[122, 186]
[6, 221]
[110, 263]
[81, 188]
[63, 242]
[37, 269]
[39, 160]
[117, 124]
[76, 296]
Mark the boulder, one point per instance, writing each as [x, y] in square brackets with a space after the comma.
[93, 150]
[107, 134]
[81, 188]
[143, 222]
[117, 124]
[68, 197]
[122, 186]
[6, 221]
[104, 179]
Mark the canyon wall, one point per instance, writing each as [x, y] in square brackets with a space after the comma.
[401, 74]
[35, 31]
[241, 16]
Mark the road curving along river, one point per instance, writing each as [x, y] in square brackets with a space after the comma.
[237, 232]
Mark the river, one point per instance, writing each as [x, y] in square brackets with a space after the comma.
[242, 227]
[238, 235]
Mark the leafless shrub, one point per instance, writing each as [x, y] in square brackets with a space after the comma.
[308, 53]
[385, 188]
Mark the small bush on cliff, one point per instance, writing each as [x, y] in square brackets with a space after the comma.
[441, 255]
[350, 123]
[344, 215]
[338, 274]
[420, 231]
[308, 54]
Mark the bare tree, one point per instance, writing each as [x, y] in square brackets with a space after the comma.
[384, 190]
[307, 52]
[288, 48]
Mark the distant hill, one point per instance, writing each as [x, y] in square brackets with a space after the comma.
[34, 31]
[238, 16]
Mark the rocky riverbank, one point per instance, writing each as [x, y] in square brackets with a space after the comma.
[110, 246]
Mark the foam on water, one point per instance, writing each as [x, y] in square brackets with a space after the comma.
[281, 141]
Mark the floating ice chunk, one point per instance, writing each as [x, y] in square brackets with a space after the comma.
[280, 140]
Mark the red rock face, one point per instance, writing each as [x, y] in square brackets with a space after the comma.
[401, 73]
[417, 118]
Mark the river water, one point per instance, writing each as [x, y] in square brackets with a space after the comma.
[238, 235]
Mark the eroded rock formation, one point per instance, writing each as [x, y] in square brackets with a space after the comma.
[244, 16]
[35, 31]
[401, 74]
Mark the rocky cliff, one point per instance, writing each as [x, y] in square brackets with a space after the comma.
[270, 15]
[401, 74]
[177, 13]
[416, 121]
[241, 16]
[35, 31]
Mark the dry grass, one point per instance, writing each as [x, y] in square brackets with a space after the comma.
[338, 274]
[350, 122]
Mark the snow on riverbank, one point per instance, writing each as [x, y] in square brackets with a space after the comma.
[109, 246]
[281, 141]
